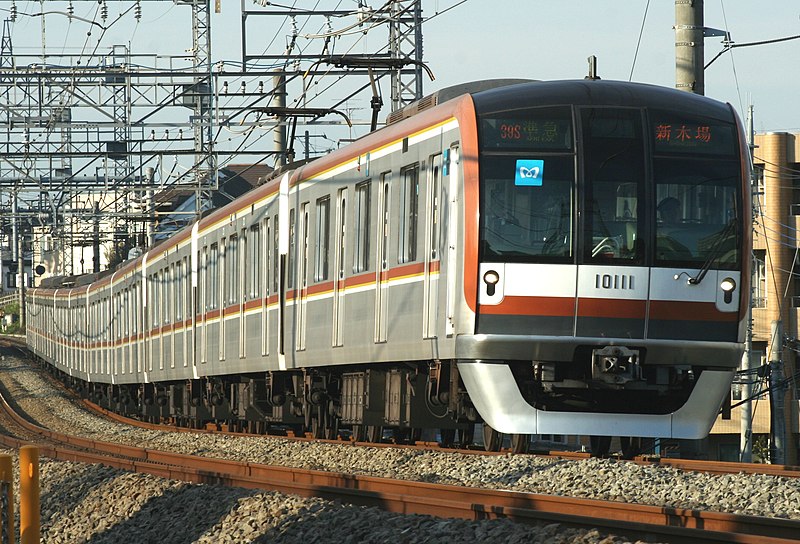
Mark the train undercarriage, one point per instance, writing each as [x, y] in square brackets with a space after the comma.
[399, 402]
[403, 403]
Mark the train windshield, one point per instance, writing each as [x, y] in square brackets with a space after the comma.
[655, 188]
[698, 205]
[528, 183]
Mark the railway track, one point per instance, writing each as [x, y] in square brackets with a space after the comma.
[693, 465]
[402, 496]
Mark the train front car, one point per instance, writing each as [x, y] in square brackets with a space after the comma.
[612, 259]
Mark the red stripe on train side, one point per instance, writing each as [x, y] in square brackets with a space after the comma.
[541, 306]
[603, 307]
[689, 311]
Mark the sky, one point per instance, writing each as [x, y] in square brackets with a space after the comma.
[466, 40]
[552, 40]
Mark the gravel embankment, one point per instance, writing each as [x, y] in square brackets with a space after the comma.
[271, 516]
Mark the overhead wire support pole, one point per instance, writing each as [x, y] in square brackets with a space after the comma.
[689, 46]
[777, 390]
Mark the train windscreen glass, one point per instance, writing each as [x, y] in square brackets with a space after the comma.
[527, 184]
[697, 196]
[614, 180]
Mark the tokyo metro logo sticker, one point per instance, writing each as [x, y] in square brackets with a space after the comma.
[529, 172]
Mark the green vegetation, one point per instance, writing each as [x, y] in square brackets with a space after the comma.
[12, 328]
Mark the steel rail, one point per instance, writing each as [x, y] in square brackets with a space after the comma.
[409, 497]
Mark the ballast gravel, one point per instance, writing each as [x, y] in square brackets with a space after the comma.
[150, 506]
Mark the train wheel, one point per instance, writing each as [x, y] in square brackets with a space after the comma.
[331, 427]
[520, 443]
[631, 446]
[600, 445]
[491, 438]
[374, 433]
[447, 437]
[318, 423]
[466, 436]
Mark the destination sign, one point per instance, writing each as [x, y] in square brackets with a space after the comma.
[528, 131]
[693, 136]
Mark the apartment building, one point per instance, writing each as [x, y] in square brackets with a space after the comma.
[776, 301]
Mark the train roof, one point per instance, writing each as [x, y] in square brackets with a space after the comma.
[588, 92]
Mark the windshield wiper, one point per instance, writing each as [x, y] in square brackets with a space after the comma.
[715, 250]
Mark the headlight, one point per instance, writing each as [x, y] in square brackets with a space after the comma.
[728, 285]
[491, 277]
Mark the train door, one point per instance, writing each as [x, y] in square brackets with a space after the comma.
[172, 300]
[202, 303]
[339, 260]
[302, 279]
[269, 255]
[242, 259]
[430, 320]
[451, 220]
[381, 255]
[282, 236]
[612, 279]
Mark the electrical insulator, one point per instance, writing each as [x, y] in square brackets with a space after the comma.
[103, 11]
[70, 9]
[137, 11]
[13, 11]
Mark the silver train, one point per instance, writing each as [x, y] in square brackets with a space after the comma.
[561, 257]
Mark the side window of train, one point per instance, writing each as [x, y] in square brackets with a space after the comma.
[385, 207]
[409, 213]
[341, 234]
[291, 257]
[265, 251]
[187, 276]
[242, 271]
[232, 269]
[276, 256]
[177, 275]
[254, 262]
[213, 276]
[362, 219]
[435, 188]
[166, 293]
[321, 269]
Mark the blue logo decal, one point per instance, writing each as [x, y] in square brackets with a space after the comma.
[529, 173]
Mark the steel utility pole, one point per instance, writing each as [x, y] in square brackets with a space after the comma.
[689, 46]
[776, 392]
[746, 413]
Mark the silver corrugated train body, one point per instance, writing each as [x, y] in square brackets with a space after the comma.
[501, 256]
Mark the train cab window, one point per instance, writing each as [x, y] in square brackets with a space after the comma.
[527, 222]
[614, 179]
[409, 213]
[697, 200]
[321, 270]
[362, 227]
[527, 185]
